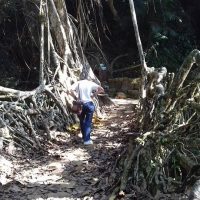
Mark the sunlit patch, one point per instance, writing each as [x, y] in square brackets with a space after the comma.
[73, 128]
[77, 154]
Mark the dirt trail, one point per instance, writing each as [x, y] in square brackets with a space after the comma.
[72, 171]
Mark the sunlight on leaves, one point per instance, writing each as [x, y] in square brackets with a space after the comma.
[73, 128]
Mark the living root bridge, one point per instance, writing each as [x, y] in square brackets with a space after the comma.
[163, 162]
[28, 116]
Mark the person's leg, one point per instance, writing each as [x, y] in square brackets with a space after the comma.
[88, 120]
[82, 120]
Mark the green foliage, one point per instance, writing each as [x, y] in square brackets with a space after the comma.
[8, 7]
[171, 36]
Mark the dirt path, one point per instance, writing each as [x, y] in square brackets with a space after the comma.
[71, 171]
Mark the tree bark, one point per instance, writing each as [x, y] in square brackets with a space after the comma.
[140, 49]
[62, 62]
[41, 78]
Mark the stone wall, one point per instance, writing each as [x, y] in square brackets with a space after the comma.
[124, 87]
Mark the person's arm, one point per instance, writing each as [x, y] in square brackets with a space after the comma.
[98, 90]
[73, 91]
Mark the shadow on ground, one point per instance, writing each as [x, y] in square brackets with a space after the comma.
[72, 170]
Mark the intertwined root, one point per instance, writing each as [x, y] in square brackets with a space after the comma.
[164, 160]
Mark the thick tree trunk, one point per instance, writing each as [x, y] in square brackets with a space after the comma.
[62, 62]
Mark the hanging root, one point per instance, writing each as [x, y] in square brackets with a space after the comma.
[27, 117]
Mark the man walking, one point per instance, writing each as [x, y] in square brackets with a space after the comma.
[84, 90]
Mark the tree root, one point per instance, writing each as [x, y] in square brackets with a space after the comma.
[166, 155]
[22, 116]
[30, 115]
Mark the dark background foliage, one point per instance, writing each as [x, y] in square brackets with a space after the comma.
[169, 30]
[19, 56]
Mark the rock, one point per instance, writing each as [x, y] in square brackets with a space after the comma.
[121, 95]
